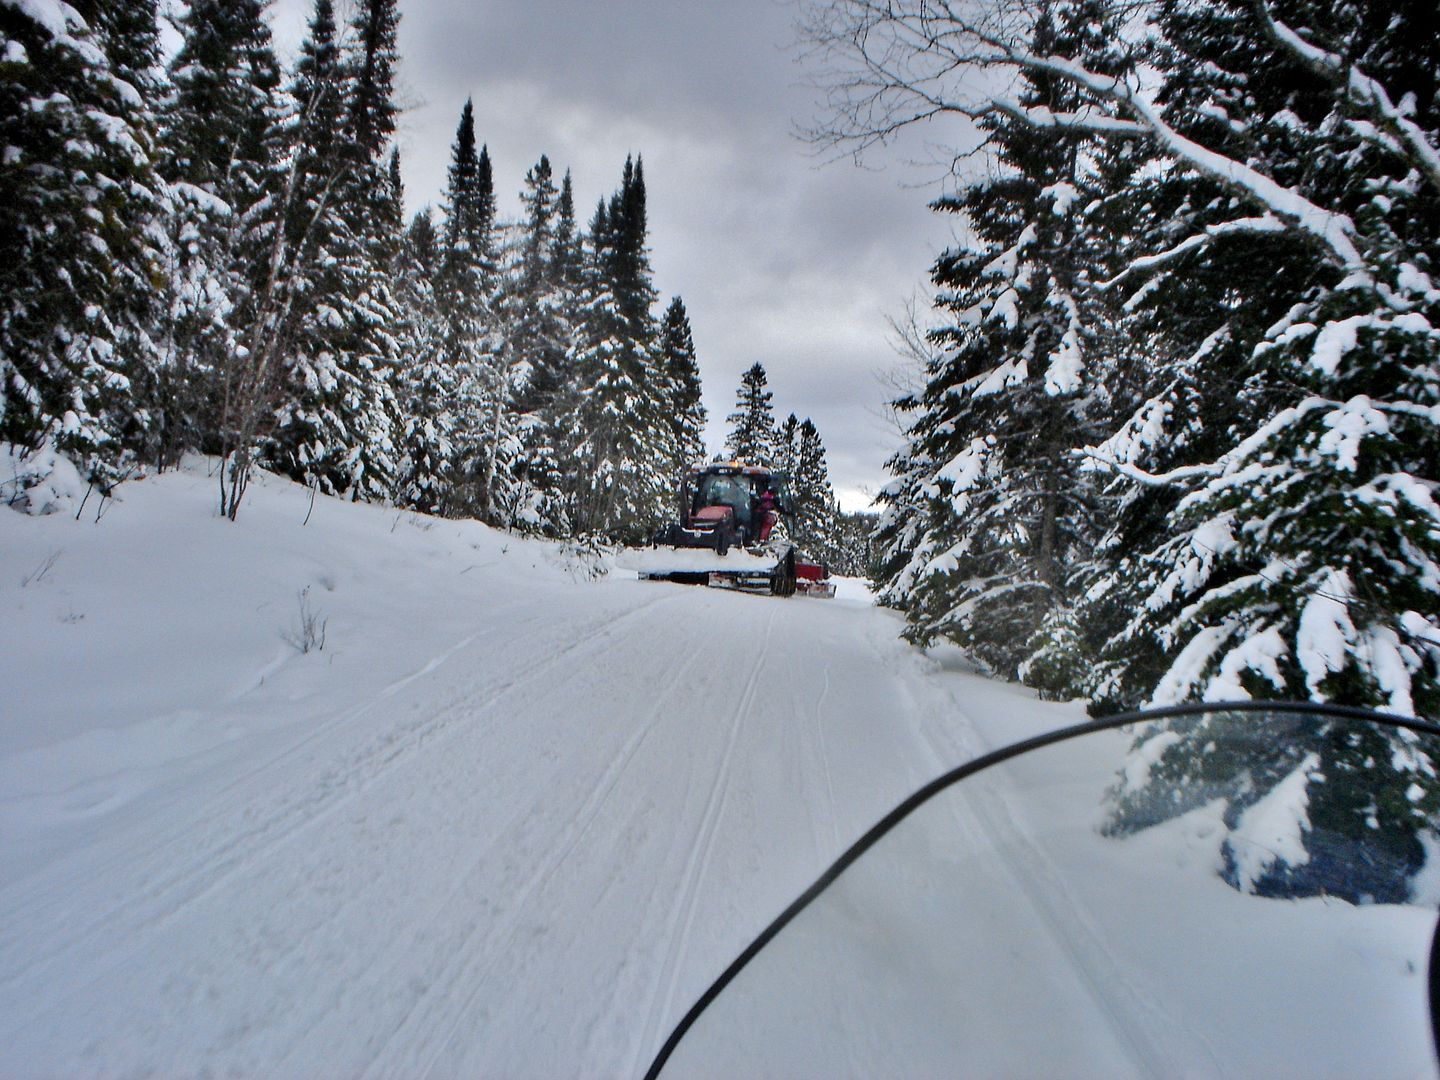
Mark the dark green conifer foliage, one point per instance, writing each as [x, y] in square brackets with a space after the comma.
[752, 424]
[816, 525]
[468, 284]
[620, 424]
[787, 444]
[372, 103]
[336, 417]
[539, 308]
[680, 372]
[427, 386]
[79, 213]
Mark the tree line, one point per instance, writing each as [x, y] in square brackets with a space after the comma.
[209, 252]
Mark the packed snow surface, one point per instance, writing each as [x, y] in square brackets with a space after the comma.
[516, 814]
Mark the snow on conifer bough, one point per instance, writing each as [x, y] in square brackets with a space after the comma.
[731, 535]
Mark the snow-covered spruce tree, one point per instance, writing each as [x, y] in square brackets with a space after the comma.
[550, 404]
[130, 36]
[473, 347]
[374, 202]
[1004, 510]
[622, 491]
[680, 372]
[1297, 560]
[220, 149]
[537, 311]
[80, 207]
[856, 532]
[532, 301]
[787, 444]
[752, 425]
[1301, 560]
[426, 390]
[816, 525]
[336, 415]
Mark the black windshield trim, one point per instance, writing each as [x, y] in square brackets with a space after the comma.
[995, 757]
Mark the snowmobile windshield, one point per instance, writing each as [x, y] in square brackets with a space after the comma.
[1206, 891]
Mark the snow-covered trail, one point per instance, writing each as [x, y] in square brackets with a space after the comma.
[516, 837]
[511, 821]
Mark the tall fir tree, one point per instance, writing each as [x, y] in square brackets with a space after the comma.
[223, 156]
[485, 431]
[816, 527]
[311, 439]
[538, 309]
[620, 426]
[680, 373]
[752, 435]
[427, 385]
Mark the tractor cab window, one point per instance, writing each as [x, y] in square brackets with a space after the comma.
[719, 489]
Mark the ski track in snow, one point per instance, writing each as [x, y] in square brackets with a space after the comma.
[823, 754]
[594, 802]
[682, 916]
[200, 873]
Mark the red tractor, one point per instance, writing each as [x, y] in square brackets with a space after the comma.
[728, 504]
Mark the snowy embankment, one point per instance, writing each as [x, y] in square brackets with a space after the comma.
[510, 820]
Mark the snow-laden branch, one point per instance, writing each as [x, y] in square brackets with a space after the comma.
[1361, 90]
[1149, 479]
[1042, 117]
[910, 61]
[1241, 226]
[1335, 232]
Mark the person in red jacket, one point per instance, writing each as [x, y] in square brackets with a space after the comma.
[766, 514]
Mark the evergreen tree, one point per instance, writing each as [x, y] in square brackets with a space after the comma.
[787, 445]
[428, 382]
[1003, 513]
[680, 372]
[486, 429]
[621, 428]
[816, 526]
[1317, 348]
[222, 156]
[79, 212]
[539, 309]
[372, 102]
[752, 425]
[332, 428]
[567, 246]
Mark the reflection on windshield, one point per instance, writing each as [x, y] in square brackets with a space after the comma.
[1223, 893]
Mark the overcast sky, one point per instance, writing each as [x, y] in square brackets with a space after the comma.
[780, 259]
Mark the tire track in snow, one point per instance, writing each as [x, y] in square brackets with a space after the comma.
[824, 751]
[682, 914]
[150, 845]
[170, 896]
[580, 824]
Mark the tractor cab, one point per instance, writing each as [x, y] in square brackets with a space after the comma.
[730, 497]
